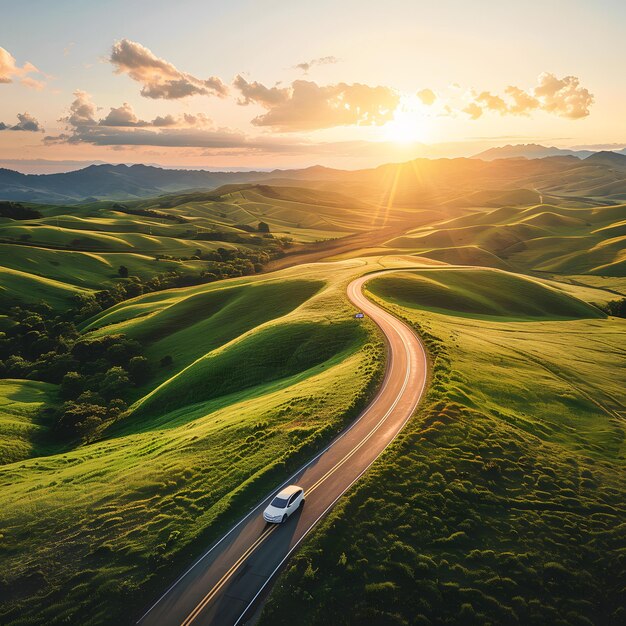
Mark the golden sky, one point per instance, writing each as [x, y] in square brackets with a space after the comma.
[269, 84]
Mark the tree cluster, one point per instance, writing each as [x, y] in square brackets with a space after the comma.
[94, 374]
[17, 211]
[178, 219]
[616, 308]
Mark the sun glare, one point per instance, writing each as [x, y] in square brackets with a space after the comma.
[409, 123]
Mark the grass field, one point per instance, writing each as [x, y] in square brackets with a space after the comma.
[562, 238]
[503, 500]
[482, 293]
[22, 432]
[87, 530]
[83, 246]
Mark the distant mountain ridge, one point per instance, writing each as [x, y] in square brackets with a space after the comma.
[534, 151]
[127, 181]
[604, 169]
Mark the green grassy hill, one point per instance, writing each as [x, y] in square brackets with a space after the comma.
[252, 391]
[18, 286]
[193, 323]
[548, 238]
[502, 501]
[84, 245]
[23, 432]
[480, 293]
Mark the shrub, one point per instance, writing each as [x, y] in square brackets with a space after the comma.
[139, 369]
[115, 382]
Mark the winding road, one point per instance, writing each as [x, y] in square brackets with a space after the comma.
[225, 585]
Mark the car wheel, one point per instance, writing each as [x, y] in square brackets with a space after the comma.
[284, 518]
[301, 503]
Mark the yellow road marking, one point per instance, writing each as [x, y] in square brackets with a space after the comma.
[224, 579]
[266, 533]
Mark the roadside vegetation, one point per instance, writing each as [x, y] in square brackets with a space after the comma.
[503, 499]
[105, 522]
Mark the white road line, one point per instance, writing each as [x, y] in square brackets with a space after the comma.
[330, 506]
[267, 497]
[356, 296]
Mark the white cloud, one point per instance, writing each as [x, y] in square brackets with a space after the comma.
[305, 105]
[427, 96]
[305, 66]
[158, 77]
[9, 70]
[564, 97]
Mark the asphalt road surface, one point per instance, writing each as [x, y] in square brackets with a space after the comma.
[224, 586]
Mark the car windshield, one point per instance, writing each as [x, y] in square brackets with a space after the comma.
[279, 503]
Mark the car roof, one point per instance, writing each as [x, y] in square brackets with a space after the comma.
[289, 491]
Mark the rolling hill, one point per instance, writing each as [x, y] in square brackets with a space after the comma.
[481, 294]
[68, 250]
[542, 237]
[250, 393]
[198, 375]
[503, 500]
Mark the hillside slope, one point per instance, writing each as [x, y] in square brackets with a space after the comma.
[249, 393]
[503, 501]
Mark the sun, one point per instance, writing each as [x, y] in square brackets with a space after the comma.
[409, 123]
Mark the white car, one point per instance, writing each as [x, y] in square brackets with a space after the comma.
[290, 499]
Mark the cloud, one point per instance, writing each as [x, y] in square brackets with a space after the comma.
[256, 92]
[122, 116]
[522, 103]
[26, 123]
[492, 103]
[82, 111]
[197, 119]
[564, 97]
[122, 127]
[307, 65]
[305, 105]
[163, 121]
[83, 117]
[427, 96]
[473, 110]
[33, 83]
[166, 137]
[10, 70]
[158, 77]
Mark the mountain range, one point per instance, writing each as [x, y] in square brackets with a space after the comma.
[534, 151]
[561, 174]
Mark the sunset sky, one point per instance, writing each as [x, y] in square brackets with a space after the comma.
[266, 84]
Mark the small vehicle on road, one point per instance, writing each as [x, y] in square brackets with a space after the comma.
[286, 502]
